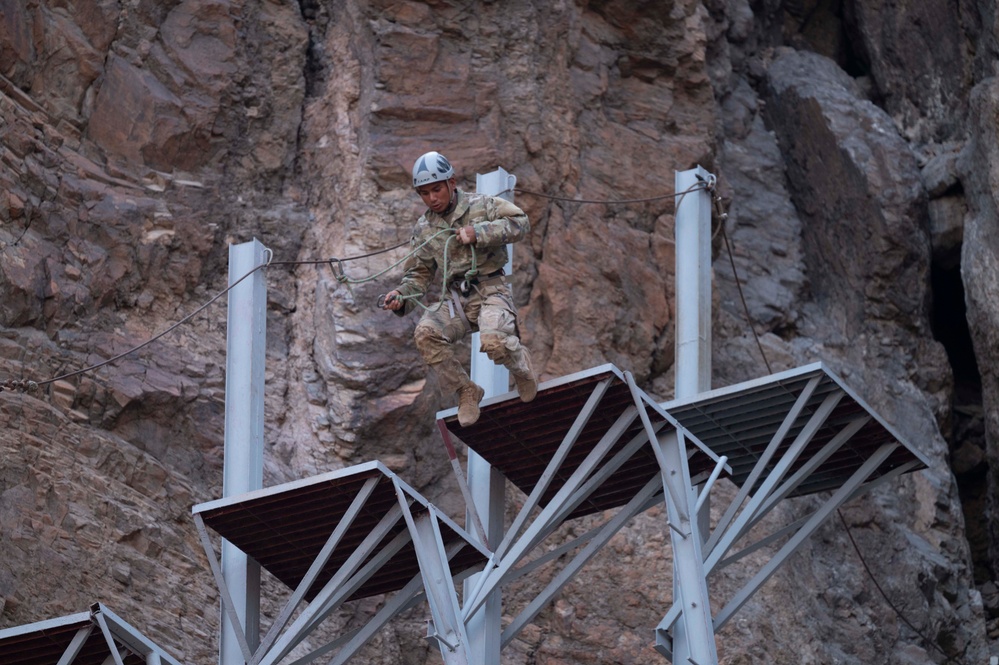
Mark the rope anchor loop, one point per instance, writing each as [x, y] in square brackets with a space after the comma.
[22, 386]
[336, 265]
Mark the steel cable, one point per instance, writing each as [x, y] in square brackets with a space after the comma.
[846, 527]
[336, 264]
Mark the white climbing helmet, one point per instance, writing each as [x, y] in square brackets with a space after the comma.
[431, 167]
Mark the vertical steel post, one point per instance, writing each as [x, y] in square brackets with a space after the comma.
[485, 483]
[693, 367]
[494, 378]
[244, 432]
[693, 283]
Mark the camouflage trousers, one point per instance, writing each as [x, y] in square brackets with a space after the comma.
[490, 311]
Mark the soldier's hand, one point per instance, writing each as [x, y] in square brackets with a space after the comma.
[393, 301]
[466, 235]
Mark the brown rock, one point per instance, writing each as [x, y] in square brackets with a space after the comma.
[980, 269]
[15, 205]
[136, 117]
[865, 210]
[299, 123]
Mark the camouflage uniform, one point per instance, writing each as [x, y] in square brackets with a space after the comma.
[488, 307]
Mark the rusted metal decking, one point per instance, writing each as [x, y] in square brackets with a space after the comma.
[740, 422]
[286, 526]
[520, 439]
[78, 639]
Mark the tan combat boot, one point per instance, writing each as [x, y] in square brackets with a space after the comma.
[525, 378]
[469, 396]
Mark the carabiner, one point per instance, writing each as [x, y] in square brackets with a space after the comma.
[384, 299]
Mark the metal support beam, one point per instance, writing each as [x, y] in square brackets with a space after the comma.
[308, 619]
[546, 520]
[771, 490]
[553, 466]
[740, 526]
[690, 581]
[692, 230]
[404, 599]
[117, 632]
[316, 567]
[471, 506]
[332, 598]
[775, 441]
[638, 503]
[811, 464]
[500, 571]
[109, 639]
[73, 649]
[246, 333]
[228, 604]
[593, 483]
[401, 601]
[428, 543]
[487, 485]
[838, 498]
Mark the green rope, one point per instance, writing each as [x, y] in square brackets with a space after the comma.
[341, 276]
[446, 278]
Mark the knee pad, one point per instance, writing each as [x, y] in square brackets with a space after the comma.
[426, 337]
[493, 346]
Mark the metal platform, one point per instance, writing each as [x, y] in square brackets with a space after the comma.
[740, 422]
[737, 422]
[588, 443]
[97, 637]
[521, 439]
[285, 527]
[791, 434]
[795, 433]
[591, 443]
[337, 537]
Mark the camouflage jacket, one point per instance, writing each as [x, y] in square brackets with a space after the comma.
[496, 221]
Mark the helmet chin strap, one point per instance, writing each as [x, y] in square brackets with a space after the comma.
[452, 199]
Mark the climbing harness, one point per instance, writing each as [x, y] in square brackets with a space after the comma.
[464, 288]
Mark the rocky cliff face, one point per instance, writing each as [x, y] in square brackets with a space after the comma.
[855, 145]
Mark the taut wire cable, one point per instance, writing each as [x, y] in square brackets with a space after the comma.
[846, 527]
[31, 386]
[336, 264]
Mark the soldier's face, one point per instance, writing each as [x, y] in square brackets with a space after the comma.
[436, 195]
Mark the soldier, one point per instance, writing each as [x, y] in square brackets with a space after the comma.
[465, 235]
